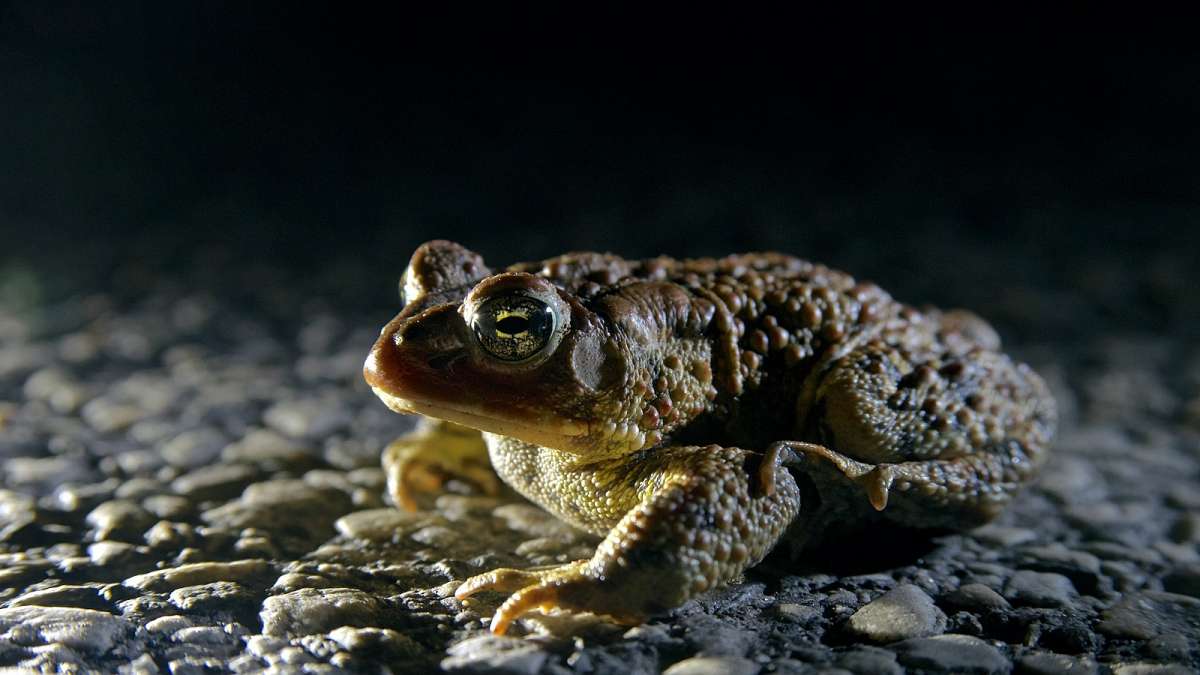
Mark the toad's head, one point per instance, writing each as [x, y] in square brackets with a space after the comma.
[520, 354]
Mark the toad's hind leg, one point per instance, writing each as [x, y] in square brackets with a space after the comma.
[433, 453]
[939, 432]
[697, 519]
[937, 494]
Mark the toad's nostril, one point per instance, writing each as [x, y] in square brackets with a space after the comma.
[413, 331]
[445, 361]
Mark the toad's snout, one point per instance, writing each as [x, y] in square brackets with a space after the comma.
[413, 353]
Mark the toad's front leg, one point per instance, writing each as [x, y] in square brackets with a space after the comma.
[433, 453]
[702, 519]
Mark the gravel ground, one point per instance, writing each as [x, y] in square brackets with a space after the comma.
[191, 484]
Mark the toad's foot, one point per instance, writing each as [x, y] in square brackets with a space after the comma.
[434, 453]
[699, 524]
[553, 587]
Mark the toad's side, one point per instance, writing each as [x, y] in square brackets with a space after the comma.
[696, 413]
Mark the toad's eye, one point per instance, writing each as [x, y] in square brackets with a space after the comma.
[513, 327]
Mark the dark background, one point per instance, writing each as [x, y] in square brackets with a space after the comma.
[960, 159]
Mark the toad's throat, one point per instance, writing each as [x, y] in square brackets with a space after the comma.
[557, 434]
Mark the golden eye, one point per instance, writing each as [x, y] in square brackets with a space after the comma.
[513, 327]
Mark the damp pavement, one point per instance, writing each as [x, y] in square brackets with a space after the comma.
[191, 484]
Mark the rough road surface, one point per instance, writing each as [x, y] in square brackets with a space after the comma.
[191, 484]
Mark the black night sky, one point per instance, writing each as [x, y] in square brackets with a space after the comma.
[302, 135]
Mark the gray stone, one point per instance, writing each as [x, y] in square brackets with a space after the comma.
[17, 512]
[52, 658]
[1081, 567]
[799, 613]
[139, 462]
[902, 613]
[82, 630]
[139, 488]
[531, 520]
[17, 359]
[194, 448]
[392, 644]
[489, 653]
[29, 473]
[1186, 530]
[714, 665]
[198, 573]
[1184, 579]
[1111, 551]
[56, 387]
[196, 664]
[1004, 537]
[870, 661]
[201, 635]
[437, 536]
[976, 597]
[268, 448]
[316, 610]
[265, 647]
[1039, 589]
[1047, 663]
[86, 596]
[1178, 554]
[105, 553]
[167, 506]
[168, 535]
[1146, 615]
[713, 637]
[119, 518]
[108, 415]
[283, 505]
[142, 665]
[169, 624]
[465, 508]
[218, 481]
[76, 497]
[212, 597]
[952, 654]
[1151, 669]
[307, 417]
[294, 582]
[379, 524]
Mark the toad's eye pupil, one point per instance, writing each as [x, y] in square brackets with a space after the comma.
[513, 327]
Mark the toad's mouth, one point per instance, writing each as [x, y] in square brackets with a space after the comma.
[557, 434]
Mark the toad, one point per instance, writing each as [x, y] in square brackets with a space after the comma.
[696, 413]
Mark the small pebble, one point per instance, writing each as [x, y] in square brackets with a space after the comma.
[902, 613]
[314, 610]
[192, 449]
[378, 524]
[212, 597]
[169, 624]
[799, 613]
[197, 573]
[83, 630]
[951, 654]
[201, 635]
[118, 519]
[1046, 663]
[105, 553]
[976, 597]
[1039, 589]
[714, 665]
